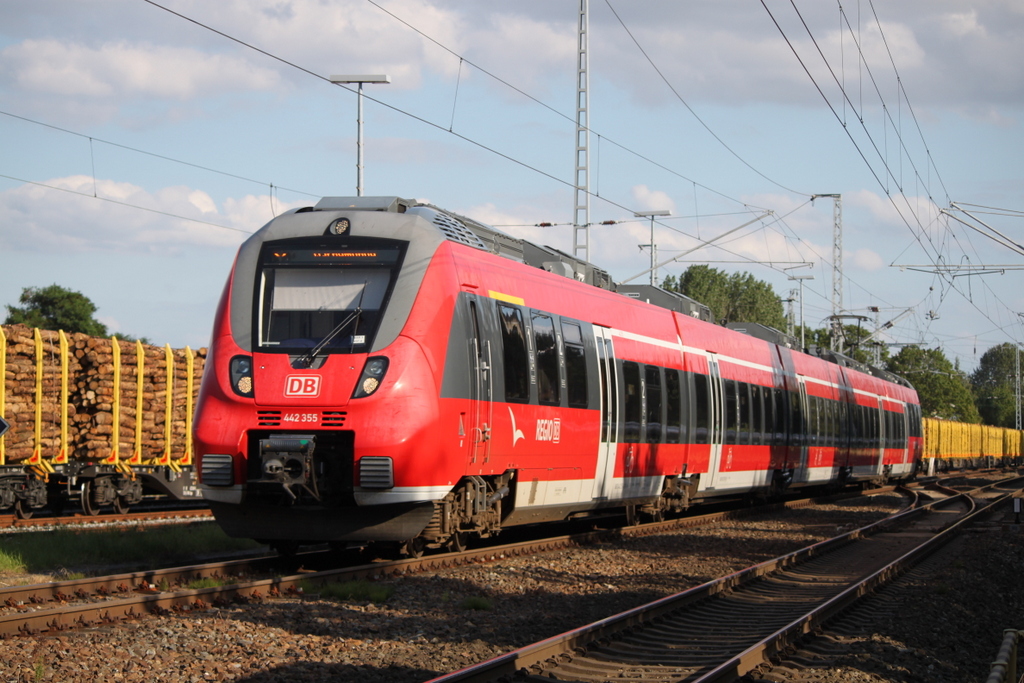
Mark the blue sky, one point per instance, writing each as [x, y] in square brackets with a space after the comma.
[139, 147]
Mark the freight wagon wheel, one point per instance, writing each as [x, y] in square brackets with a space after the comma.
[87, 505]
[121, 506]
[22, 510]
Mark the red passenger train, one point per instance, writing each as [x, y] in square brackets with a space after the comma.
[382, 370]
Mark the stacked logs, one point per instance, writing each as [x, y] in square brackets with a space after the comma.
[91, 428]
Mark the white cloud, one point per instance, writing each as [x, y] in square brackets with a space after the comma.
[124, 217]
[866, 259]
[652, 200]
[122, 70]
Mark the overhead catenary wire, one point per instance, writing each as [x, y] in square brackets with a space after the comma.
[921, 235]
[450, 125]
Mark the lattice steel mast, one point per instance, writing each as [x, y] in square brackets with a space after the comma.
[581, 216]
[836, 337]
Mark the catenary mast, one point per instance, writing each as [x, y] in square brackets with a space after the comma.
[581, 215]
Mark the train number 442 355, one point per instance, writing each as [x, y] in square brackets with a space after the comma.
[301, 417]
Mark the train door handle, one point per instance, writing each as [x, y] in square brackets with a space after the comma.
[482, 434]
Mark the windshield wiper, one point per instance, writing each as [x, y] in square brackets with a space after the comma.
[307, 360]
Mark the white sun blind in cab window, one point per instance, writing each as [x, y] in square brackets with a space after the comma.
[298, 289]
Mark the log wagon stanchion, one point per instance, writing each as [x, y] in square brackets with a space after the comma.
[91, 424]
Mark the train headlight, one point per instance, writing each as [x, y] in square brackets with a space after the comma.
[340, 226]
[240, 369]
[373, 375]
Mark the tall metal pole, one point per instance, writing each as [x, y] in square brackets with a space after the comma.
[803, 332]
[360, 80]
[1016, 376]
[654, 256]
[359, 142]
[790, 315]
[581, 215]
[836, 338]
[653, 245]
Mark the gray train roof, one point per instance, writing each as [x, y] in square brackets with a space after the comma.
[406, 219]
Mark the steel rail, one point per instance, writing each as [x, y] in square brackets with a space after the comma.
[533, 657]
[81, 519]
[47, 607]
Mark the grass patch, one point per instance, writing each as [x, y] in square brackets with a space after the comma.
[359, 591]
[208, 582]
[476, 602]
[46, 552]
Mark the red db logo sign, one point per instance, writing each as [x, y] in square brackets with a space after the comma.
[302, 385]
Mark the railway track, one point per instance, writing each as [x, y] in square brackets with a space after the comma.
[82, 519]
[58, 606]
[733, 626]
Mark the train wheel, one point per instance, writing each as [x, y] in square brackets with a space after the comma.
[458, 542]
[631, 516]
[121, 506]
[415, 547]
[22, 510]
[87, 505]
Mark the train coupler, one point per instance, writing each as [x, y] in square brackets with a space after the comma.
[288, 461]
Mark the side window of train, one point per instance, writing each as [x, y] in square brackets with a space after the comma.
[731, 411]
[812, 420]
[652, 380]
[515, 357]
[702, 408]
[796, 420]
[779, 408]
[823, 421]
[757, 415]
[673, 407]
[575, 365]
[633, 401]
[547, 360]
[771, 430]
[744, 410]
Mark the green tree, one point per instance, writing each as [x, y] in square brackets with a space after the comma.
[943, 389]
[56, 308]
[995, 386]
[739, 297]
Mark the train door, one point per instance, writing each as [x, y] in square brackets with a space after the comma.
[808, 427]
[716, 426]
[904, 439]
[604, 472]
[481, 384]
[883, 435]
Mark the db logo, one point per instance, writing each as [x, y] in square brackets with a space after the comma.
[302, 385]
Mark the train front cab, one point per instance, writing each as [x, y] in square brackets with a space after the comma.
[317, 419]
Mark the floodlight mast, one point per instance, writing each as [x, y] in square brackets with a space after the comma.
[349, 79]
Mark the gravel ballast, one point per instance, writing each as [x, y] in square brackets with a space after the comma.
[948, 626]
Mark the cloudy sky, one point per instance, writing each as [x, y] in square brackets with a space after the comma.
[142, 141]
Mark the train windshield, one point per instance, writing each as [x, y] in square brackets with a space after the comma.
[325, 299]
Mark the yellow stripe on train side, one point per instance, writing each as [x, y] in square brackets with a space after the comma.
[506, 297]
